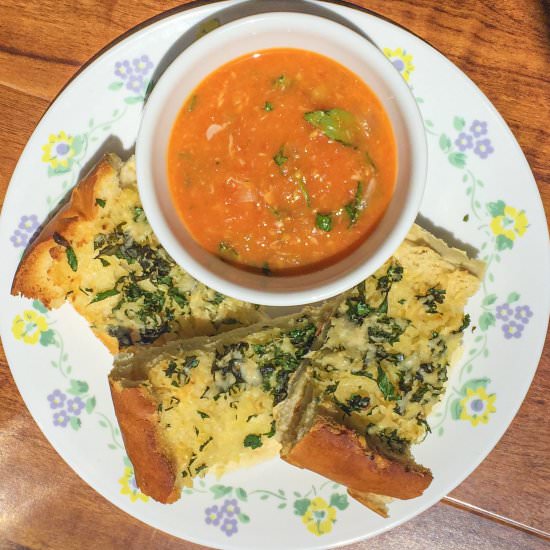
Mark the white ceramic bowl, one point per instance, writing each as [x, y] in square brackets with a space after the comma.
[259, 32]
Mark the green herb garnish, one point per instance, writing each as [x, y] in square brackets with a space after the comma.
[354, 208]
[200, 468]
[385, 331]
[139, 214]
[192, 104]
[253, 441]
[217, 299]
[323, 221]
[271, 431]
[357, 310]
[104, 295]
[268, 106]
[178, 297]
[432, 297]
[465, 324]
[370, 162]
[101, 202]
[302, 336]
[393, 275]
[300, 180]
[71, 256]
[279, 157]
[336, 124]
[225, 248]
[282, 82]
[355, 403]
[386, 387]
[191, 362]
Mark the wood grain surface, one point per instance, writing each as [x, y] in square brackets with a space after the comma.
[505, 48]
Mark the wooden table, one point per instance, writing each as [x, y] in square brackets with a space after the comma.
[504, 47]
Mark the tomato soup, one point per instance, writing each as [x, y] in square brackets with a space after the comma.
[281, 161]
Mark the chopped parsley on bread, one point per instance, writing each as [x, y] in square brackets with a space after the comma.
[99, 253]
[343, 391]
[380, 370]
[206, 404]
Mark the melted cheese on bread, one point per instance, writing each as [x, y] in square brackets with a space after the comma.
[384, 363]
[100, 254]
[363, 380]
[215, 403]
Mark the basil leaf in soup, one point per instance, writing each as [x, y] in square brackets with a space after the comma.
[354, 208]
[280, 157]
[337, 124]
[324, 221]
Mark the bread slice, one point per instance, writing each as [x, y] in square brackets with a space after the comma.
[206, 404]
[380, 370]
[388, 347]
[314, 436]
[99, 253]
[350, 408]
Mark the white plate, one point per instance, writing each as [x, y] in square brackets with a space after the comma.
[480, 189]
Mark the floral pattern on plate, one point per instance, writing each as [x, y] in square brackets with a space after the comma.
[503, 225]
[471, 151]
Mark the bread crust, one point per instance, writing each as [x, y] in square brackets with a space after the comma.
[420, 237]
[340, 454]
[137, 417]
[29, 280]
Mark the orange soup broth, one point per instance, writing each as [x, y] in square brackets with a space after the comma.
[254, 181]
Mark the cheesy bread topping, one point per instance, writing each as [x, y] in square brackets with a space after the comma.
[215, 403]
[385, 359]
[114, 271]
[363, 372]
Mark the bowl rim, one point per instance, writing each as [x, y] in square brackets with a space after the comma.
[278, 297]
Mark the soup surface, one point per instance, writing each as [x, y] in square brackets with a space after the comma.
[282, 161]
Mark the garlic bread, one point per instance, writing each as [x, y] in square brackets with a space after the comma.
[99, 253]
[206, 404]
[344, 390]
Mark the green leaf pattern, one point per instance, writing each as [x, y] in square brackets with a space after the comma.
[501, 225]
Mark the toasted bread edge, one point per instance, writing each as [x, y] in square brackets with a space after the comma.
[29, 280]
[137, 417]
[340, 454]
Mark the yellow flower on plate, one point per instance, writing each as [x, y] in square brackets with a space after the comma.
[29, 326]
[129, 487]
[319, 517]
[59, 150]
[401, 60]
[477, 406]
[510, 223]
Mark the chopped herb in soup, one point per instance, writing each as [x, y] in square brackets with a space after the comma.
[282, 161]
